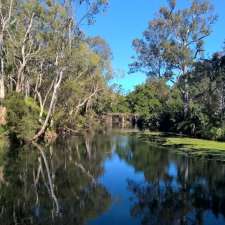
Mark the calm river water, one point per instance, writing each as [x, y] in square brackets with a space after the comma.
[110, 179]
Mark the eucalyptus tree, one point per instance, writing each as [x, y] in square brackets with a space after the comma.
[42, 48]
[207, 85]
[6, 8]
[150, 57]
[179, 41]
[67, 44]
[90, 69]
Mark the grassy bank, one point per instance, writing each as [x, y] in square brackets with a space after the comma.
[192, 143]
[179, 142]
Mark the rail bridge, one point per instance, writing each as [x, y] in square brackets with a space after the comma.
[123, 120]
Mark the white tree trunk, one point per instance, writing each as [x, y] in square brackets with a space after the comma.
[54, 96]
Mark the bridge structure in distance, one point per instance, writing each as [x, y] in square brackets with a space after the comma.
[123, 120]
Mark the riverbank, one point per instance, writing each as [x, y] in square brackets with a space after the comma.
[182, 144]
[194, 143]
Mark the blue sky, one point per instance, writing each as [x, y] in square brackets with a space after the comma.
[125, 20]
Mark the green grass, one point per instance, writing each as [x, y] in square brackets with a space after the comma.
[196, 144]
[199, 146]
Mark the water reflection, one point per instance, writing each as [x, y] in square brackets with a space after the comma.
[54, 184]
[109, 179]
[177, 189]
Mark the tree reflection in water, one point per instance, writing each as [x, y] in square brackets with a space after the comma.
[178, 190]
[54, 184]
[60, 184]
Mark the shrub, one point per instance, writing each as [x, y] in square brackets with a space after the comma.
[22, 116]
[216, 133]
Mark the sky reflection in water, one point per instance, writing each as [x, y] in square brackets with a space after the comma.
[108, 180]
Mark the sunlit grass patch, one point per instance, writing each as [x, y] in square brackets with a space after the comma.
[193, 143]
[180, 142]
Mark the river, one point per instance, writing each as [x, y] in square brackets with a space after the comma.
[109, 179]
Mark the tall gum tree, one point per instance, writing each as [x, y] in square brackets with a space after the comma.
[42, 38]
[6, 8]
[66, 35]
[178, 43]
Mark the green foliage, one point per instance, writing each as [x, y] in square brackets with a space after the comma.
[164, 112]
[2, 131]
[172, 47]
[174, 39]
[49, 60]
[64, 74]
[4, 144]
[194, 123]
[214, 133]
[173, 42]
[120, 104]
[148, 101]
[22, 116]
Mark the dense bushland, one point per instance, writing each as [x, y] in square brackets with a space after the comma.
[52, 76]
[55, 78]
[185, 91]
[160, 104]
